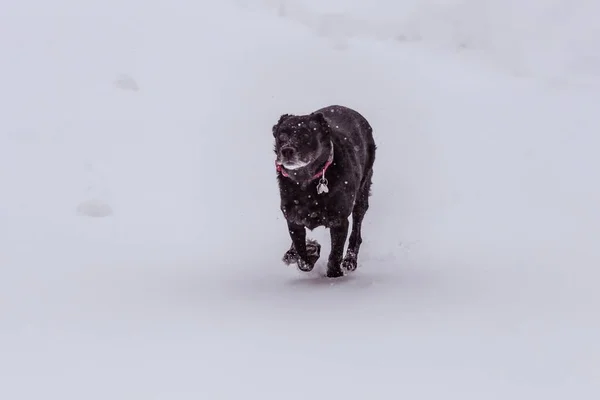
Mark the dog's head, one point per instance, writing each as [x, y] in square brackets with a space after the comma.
[299, 139]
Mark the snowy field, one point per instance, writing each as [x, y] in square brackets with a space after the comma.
[140, 234]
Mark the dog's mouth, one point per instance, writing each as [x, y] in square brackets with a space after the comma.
[293, 164]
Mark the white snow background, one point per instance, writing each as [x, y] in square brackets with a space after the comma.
[140, 234]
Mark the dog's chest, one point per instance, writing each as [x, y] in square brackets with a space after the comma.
[311, 210]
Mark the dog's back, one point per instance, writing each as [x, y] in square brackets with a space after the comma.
[353, 136]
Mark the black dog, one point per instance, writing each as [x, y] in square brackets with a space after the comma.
[324, 168]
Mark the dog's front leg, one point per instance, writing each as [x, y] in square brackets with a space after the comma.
[299, 252]
[339, 233]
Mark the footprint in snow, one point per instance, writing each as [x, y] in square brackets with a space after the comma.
[94, 208]
[126, 82]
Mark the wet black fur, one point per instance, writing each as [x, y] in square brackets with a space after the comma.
[349, 182]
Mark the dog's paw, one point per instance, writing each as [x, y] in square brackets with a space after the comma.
[304, 266]
[334, 272]
[313, 251]
[290, 257]
[350, 262]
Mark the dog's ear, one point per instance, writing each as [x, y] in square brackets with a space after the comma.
[281, 119]
[319, 118]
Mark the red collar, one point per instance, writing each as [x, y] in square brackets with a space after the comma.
[279, 168]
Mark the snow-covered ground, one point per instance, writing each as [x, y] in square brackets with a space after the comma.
[140, 235]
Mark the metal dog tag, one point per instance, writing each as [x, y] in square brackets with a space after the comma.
[322, 187]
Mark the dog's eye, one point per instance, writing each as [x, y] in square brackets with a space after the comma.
[283, 137]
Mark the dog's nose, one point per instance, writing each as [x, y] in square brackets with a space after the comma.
[287, 152]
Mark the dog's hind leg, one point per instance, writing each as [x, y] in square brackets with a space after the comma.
[358, 213]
